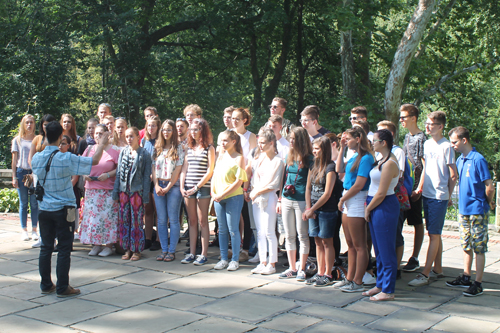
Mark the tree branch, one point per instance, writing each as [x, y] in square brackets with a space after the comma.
[171, 29]
[434, 28]
[436, 88]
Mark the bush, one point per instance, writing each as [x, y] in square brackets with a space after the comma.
[9, 201]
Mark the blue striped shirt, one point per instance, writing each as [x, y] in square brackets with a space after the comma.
[58, 188]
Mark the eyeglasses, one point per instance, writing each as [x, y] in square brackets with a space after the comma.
[63, 144]
[273, 106]
[180, 119]
[118, 118]
[353, 118]
[403, 118]
[378, 140]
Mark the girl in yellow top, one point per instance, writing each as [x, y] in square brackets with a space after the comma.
[228, 176]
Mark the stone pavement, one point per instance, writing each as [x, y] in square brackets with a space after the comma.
[120, 296]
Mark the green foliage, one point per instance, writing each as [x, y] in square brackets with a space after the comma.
[9, 201]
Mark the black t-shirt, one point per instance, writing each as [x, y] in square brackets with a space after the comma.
[323, 130]
[318, 189]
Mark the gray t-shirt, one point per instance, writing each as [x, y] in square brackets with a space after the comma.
[414, 150]
[22, 147]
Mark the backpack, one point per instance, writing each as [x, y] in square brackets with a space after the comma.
[405, 184]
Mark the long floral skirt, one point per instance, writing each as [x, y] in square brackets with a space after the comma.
[99, 223]
[130, 224]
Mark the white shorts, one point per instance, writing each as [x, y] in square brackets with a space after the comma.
[355, 206]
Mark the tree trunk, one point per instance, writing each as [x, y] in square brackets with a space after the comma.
[347, 62]
[300, 65]
[403, 57]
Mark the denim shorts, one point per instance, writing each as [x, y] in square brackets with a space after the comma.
[202, 193]
[323, 225]
[434, 214]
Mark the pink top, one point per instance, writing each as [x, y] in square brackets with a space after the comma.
[107, 163]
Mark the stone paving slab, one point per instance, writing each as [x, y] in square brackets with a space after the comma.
[330, 326]
[181, 301]
[10, 267]
[6, 281]
[470, 311]
[11, 305]
[408, 320]
[173, 267]
[133, 320]
[486, 300]
[219, 325]
[326, 295]
[79, 310]
[419, 300]
[373, 308]
[127, 295]
[17, 324]
[247, 306]
[277, 288]
[212, 284]
[24, 255]
[465, 325]
[342, 315]
[23, 291]
[147, 278]
[289, 322]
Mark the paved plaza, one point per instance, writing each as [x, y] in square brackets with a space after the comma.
[149, 296]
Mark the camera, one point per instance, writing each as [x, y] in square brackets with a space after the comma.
[39, 192]
[289, 190]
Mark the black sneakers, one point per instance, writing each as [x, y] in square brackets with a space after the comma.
[474, 290]
[412, 265]
[462, 281]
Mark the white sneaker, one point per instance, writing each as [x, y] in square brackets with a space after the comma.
[255, 259]
[221, 265]
[77, 236]
[340, 284]
[233, 265]
[369, 280]
[95, 250]
[268, 270]
[258, 269]
[420, 280]
[38, 243]
[105, 252]
[24, 236]
[35, 236]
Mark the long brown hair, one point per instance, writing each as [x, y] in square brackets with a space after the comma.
[160, 144]
[363, 146]
[157, 120]
[301, 147]
[72, 131]
[232, 135]
[206, 138]
[318, 170]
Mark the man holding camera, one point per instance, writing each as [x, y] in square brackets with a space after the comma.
[57, 206]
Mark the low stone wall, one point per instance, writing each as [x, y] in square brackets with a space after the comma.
[5, 178]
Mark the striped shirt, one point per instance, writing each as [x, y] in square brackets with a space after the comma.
[197, 168]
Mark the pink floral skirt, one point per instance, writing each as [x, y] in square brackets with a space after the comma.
[99, 224]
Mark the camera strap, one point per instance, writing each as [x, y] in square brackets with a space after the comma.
[295, 181]
[47, 166]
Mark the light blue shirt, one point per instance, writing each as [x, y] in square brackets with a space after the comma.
[58, 188]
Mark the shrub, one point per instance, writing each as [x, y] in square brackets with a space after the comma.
[9, 200]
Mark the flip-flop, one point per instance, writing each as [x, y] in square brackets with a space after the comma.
[377, 298]
[372, 292]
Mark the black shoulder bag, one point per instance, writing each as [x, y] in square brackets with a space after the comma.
[39, 191]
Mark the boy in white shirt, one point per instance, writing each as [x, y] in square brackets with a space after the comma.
[275, 122]
[436, 184]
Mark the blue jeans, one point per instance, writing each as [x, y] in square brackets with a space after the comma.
[167, 209]
[228, 216]
[22, 191]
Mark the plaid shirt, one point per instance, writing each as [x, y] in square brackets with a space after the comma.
[58, 187]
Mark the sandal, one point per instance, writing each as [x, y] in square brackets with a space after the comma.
[127, 255]
[161, 257]
[169, 257]
[372, 292]
[380, 297]
[136, 256]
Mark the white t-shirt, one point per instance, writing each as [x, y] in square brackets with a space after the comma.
[370, 136]
[438, 157]
[283, 147]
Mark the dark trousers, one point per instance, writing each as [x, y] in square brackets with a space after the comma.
[52, 225]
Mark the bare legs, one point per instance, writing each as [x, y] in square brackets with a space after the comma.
[355, 235]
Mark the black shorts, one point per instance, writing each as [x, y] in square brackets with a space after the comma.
[413, 216]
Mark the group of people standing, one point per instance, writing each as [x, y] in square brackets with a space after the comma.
[295, 183]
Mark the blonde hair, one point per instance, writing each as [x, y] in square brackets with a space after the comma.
[156, 119]
[22, 126]
[193, 107]
[116, 138]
